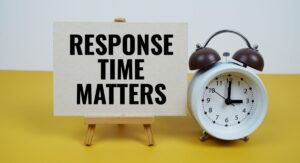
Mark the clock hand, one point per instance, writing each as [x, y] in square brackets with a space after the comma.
[223, 98]
[220, 95]
[228, 100]
[236, 101]
[229, 91]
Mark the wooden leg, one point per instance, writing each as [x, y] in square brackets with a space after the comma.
[149, 134]
[90, 134]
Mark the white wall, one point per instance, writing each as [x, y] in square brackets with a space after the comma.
[26, 26]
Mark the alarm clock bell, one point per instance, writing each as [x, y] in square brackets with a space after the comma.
[250, 57]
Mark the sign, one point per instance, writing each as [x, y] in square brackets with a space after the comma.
[117, 69]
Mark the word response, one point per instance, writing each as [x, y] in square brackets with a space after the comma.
[130, 44]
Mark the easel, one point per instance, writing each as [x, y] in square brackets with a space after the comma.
[145, 120]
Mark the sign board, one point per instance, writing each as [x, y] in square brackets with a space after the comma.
[119, 69]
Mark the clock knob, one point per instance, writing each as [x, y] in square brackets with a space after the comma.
[250, 57]
[203, 58]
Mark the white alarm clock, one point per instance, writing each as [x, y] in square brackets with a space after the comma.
[227, 99]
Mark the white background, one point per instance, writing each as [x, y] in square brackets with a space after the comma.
[26, 26]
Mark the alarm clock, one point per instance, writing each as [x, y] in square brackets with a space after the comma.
[227, 99]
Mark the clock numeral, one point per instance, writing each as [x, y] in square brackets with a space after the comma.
[247, 100]
[217, 116]
[210, 110]
[236, 117]
[239, 83]
[245, 91]
[226, 120]
[219, 83]
[244, 110]
[208, 100]
[211, 90]
[228, 79]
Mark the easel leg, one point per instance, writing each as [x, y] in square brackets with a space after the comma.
[149, 134]
[90, 134]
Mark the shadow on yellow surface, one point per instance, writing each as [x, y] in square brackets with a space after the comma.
[30, 132]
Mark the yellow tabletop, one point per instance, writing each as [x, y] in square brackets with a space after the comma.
[30, 132]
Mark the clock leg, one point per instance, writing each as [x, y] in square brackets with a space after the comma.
[204, 136]
[246, 138]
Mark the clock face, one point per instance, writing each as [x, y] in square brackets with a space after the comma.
[228, 100]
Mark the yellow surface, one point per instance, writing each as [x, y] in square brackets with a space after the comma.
[30, 133]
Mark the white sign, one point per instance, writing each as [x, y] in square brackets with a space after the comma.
[115, 69]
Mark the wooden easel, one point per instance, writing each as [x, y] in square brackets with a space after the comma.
[145, 120]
